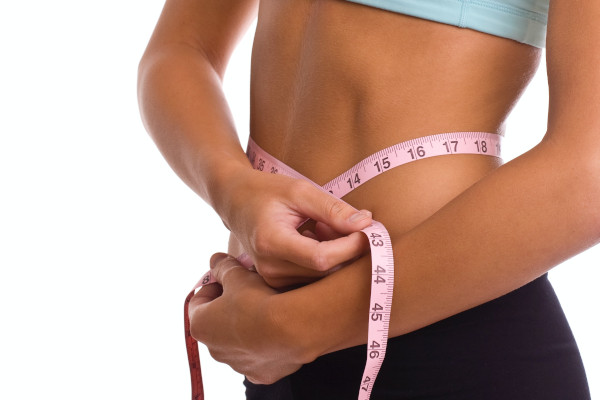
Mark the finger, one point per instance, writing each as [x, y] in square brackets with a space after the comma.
[322, 206]
[254, 381]
[325, 232]
[319, 256]
[287, 283]
[310, 235]
[215, 258]
[199, 310]
[206, 294]
[229, 272]
[281, 274]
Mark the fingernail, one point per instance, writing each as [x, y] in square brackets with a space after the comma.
[359, 216]
[214, 260]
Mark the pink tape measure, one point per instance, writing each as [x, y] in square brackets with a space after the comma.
[382, 258]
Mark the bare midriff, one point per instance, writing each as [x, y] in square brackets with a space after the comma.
[333, 82]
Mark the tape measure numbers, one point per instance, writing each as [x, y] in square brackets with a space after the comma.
[382, 259]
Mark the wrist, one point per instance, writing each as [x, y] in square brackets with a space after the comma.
[293, 333]
[222, 182]
[318, 318]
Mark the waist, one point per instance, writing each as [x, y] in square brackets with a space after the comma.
[403, 184]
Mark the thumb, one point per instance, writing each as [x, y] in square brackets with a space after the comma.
[321, 206]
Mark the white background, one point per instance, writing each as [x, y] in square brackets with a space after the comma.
[100, 242]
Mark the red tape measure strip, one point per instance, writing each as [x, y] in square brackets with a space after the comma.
[192, 351]
[382, 260]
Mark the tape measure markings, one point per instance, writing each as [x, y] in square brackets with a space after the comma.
[412, 150]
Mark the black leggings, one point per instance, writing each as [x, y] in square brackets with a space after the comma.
[517, 347]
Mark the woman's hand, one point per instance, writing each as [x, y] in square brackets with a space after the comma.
[263, 212]
[233, 319]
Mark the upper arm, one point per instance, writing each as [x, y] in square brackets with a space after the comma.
[212, 27]
[573, 61]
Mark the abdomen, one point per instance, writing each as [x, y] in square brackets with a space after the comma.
[333, 82]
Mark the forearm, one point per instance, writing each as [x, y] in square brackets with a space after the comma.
[184, 110]
[504, 231]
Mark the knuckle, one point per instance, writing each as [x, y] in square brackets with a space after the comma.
[228, 273]
[226, 267]
[254, 379]
[262, 243]
[276, 283]
[319, 260]
[268, 380]
[267, 205]
[259, 378]
[216, 355]
[335, 208]
[272, 276]
[267, 271]
[196, 330]
[301, 188]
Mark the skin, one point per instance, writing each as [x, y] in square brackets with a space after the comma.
[321, 78]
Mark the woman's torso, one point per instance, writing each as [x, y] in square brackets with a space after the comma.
[333, 82]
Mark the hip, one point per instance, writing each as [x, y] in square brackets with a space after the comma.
[518, 346]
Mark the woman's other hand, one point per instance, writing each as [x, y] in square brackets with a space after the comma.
[233, 319]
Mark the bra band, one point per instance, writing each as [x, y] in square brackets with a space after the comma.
[522, 20]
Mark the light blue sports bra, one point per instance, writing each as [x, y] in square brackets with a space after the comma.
[521, 20]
